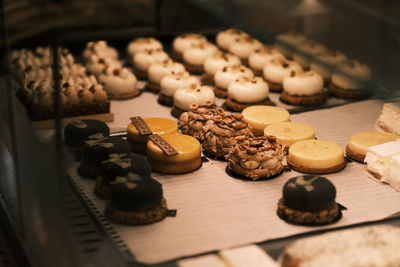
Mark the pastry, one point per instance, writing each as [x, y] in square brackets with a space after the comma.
[136, 201]
[226, 37]
[142, 43]
[359, 142]
[287, 42]
[192, 94]
[383, 162]
[307, 52]
[96, 65]
[195, 55]
[101, 49]
[158, 126]
[350, 81]
[389, 120]
[243, 47]
[256, 158]
[245, 91]
[221, 135]
[142, 61]
[326, 62]
[309, 200]
[258, 117]
[289, 132]
[193, 121]
[228, 74]
[158, 70]
[184, 41]
[172, 82]
[98, 149]
[303, 88]
[78, 131]
[119, 83]
[187, 159]
[356, 246]
[261, 57]
[316, 156]
[277, 70]
[216, 62]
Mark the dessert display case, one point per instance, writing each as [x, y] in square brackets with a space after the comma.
[53, 213]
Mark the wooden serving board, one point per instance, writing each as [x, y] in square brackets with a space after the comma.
[49, 124]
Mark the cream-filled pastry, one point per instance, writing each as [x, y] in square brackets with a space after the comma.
[143, 60]
[119, 83]
[142, 43]
[160, 69]
[243, 47]
[195, 55]
[277, 70]
[96, 64]
[308, 50]
[216, 62]
[326, 62]
[172, 82]
[228, 74]
[192, 94]
[101, 49]
[226, 37]
[303, 88]
[184, 41]
[285, 42]
[261, 57]
[389, 120]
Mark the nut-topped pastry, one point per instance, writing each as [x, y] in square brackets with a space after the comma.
[192, 121]
[142, 43]
[158, 70]
[119, 83]
[195, 55]
[221, 135]
[228, 74]
[256, 158]
[101, 49]
[308, 50]
[303, 88]
[170, 83]
[245, 91]
[184, 41]
[277, 70]
[192, 94]
[261, 57]
[286, 42]
[142, 60]
[226, 37]
[326, 62]
[96, 64]
[243, 47]
[215, 63]
[309, 200]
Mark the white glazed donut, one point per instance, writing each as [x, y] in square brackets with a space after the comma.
[329, 60]
[197, 53]
[218, 61]
[303, 83]
[193, 94]
[244, 46]
[140, 44]
[184, 41]
[118, 81]
[226, 37]
[262, 56]
[172, 82]
[248, 90]
[228, 74]
[351, 75]
[143, 59]
[158, 70]
[279, 69]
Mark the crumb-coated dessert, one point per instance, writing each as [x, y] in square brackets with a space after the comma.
[159, 70]
[192, 94]
[142, 43]
[142, 61]
[303, 88]
[243, 47]
[215, 63]
[326, 62]
[98, 149]
[350, 81]
[187, 159]
[288, 41]
[136, 200]
[245, 91]
[119, 83]
[389, 119]
[358, 144]
[158, 126]
[183, 41]
[277, 70]
[290, 132]
[100, 48]
[261, 57]
[193, 121]
[226, 37]
[221, 135]
[195, 55]
[228, 74]
[256, 158]
[309, 200]
[316, 156]
[260, 116]
[307, 52]
[171, 83]
[77, 132]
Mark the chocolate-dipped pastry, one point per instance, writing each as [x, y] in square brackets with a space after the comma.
[309, 199]
[99, 149]
[136, 200]
[78, 131]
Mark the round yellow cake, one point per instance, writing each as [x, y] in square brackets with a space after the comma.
[288, 133]
[258, 117]
[187, 159]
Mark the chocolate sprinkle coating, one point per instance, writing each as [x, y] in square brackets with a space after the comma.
[309, 193]
[78, 131]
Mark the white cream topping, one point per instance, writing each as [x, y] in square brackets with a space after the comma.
[159, 69]
[278, 69]
[303, 83]
[99, 48]
[392, 173]
[328, 62]
[172, 82]
[193, 94]
[228, 74]
[143, 59]
[226, 37]
[197, 53]
[293, 39]
[351, 75]
[244, 46]
[218, 61]
[118, 81]
[390, 118]
[248, 90]
[140, 44]
[96, 64]
[184, 41]
[261, 57]
[308, 50]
